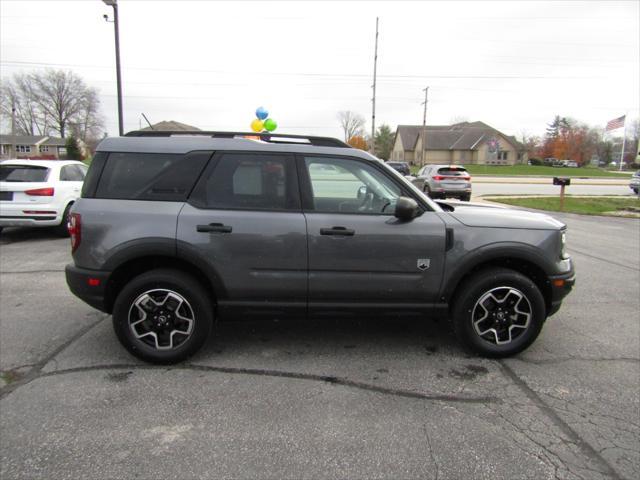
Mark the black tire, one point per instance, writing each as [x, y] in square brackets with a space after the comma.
[468, 297]
[61, 230]
[427, 191]
[198, 306]
[466, 198]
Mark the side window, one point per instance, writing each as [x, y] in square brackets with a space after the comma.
[150, 176]
[350, 186]
[252, 182]
[71, 173]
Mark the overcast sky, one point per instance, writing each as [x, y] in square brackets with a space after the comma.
[511, 64]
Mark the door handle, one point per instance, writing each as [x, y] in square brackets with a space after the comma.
[214, 228]
[339, 231]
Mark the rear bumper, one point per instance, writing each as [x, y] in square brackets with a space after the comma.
[13, 215]
[88, 285]
[561, 285]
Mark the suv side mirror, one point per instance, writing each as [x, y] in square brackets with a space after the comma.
[362, 191]
[406, 208]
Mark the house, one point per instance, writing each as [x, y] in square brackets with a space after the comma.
[35, 146]
[171, 126]
[461, 143]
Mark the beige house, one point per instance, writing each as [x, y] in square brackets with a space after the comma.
[35, 146]
[461, 143]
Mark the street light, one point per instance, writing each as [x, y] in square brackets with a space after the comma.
[114, 4]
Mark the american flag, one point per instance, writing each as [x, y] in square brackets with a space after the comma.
[615, 123]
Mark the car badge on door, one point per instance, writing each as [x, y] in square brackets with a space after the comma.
[423, 263]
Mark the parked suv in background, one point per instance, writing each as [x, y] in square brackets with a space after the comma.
[441, 181]
[402, 167]
[39, 193]
[173, 232]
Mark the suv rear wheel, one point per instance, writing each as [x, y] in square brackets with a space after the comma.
[163, 316]
[498, 312]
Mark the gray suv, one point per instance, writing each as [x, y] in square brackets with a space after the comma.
[441, 181]
[175, 231]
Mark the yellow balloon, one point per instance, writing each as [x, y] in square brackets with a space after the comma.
[257, 125]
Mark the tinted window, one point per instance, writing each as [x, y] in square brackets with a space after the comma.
[350, 186]
[23, 173]
[250, 181]
[71, 173]
[150, 176]
[452, 171]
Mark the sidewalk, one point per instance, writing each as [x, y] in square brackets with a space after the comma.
[549, 180]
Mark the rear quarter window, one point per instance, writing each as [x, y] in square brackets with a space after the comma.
[23, 173]
[150, 176]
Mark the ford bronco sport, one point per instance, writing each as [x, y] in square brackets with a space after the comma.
[175, 230]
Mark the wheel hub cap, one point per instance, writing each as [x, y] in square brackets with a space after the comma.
[161, 319]
[501, 315]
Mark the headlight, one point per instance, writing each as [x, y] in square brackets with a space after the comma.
[563, 244]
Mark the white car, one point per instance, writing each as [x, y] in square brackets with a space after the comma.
[39, 193]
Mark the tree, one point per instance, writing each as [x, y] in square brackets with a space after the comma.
[358, 141]
[73, 150]
[18, 94]
[53, 100]
[384, 142]
[352, 124]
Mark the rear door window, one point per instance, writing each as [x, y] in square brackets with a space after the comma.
[71, 173]
[23, 173]
[250, 181]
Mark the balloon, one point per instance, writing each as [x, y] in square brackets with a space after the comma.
[257, 125]
[270, 124]
[262, 113]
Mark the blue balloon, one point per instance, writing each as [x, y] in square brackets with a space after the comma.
[262, 113]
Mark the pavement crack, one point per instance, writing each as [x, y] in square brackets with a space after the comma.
[578, 359]
[606, 260]
[22, 272]
[36, 370]
[572, 435]
[342, 381]
[430, 447]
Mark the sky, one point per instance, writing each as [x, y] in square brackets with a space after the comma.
[511, 64]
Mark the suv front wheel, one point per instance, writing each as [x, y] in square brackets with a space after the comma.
[163, 316]
[498, 312]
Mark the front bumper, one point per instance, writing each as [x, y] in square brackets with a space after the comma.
[89, 286]
[561, 285]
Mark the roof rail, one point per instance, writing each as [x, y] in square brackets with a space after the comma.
[265, 137]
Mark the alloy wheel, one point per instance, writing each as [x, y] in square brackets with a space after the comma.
[501, 315]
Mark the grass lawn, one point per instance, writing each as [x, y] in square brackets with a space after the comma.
[582, 205]
[535, 170]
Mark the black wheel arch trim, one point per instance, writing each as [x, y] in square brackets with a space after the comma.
[487, 254]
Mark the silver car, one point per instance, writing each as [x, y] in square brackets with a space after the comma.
[441, 181]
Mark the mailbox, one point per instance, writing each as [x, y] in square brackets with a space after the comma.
[561, 181]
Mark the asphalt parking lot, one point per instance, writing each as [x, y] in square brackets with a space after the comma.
[337, 399]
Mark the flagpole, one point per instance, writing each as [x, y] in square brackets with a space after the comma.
[624, 141]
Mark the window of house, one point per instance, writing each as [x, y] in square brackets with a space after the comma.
[44, 148]
[503, 155]
[23, 148]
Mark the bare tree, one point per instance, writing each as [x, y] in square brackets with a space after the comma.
[352, 124]
[18, 93]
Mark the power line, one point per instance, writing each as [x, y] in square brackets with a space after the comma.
[338, 75]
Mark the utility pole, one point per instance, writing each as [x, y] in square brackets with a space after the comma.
[114, 4]
[424, 125]
[624, 142]
[13, 154]
[373, 99]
